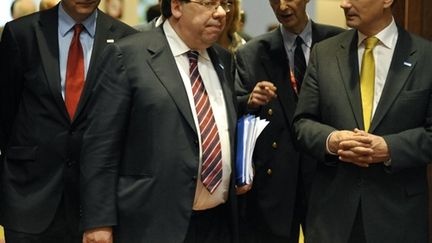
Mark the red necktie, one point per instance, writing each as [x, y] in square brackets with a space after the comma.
[211, 168]
[74, 72]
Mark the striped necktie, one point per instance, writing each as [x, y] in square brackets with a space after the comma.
[211, 167]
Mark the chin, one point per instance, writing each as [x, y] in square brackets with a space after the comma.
[352, 24]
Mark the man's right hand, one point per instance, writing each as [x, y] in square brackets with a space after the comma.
[263, 93]
[344, 142]
[98, 235]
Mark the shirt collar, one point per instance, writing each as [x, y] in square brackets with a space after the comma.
[289, 38]
[178, 47]
[385, 36]
[66, 22]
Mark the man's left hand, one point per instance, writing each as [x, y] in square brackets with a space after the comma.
[354, 152]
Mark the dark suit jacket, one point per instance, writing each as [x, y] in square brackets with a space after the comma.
[41, 143]
[271, 202]
[393, 200]
[141, 151]
[147, 26]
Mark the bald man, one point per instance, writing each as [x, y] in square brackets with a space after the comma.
[21, 8]
[47, 4]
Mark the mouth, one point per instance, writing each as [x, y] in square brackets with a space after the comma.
[216, 28]
[86, 3]
[285, 16]
[215, 25]
[350, 15]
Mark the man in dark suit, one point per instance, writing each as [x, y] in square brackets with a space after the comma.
[275, 206]
[146, 151]
[365, 112]
[41, 118]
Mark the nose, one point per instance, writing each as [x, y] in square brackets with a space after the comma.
[283, 5]
[220, 12]
[345, 4]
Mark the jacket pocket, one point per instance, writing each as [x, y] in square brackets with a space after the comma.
[21, 153]
[414, 189]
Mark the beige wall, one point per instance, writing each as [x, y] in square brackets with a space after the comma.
[329, 12]
[130, 12]
[325, 11]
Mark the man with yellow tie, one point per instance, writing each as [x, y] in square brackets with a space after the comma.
[365, 113]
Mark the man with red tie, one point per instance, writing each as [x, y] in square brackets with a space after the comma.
[48, 65]
[160, 144]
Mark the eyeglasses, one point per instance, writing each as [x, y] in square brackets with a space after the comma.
[214, 5]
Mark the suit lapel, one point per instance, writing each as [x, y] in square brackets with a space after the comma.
[47, 39]
[103, 32]
[316, 34]
[403, 62]
[347, 54]
[280, 76]
[162, 63]
[226, 88]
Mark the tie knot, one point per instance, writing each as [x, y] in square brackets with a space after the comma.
[78, 28]
[371, 42]
[193, 56]
[298, 41]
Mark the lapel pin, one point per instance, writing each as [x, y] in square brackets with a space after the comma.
[221, 66]
[407, 64]
[110, 41]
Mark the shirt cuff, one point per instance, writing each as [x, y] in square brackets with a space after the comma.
[327, 144]
[387, 163]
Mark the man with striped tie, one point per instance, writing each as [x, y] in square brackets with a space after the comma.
[158, 153]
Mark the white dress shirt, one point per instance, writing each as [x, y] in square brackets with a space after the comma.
[203, 199]
[383, 54]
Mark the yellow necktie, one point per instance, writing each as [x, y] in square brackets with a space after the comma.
[367, 80]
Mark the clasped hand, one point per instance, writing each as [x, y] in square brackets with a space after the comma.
[358, 147]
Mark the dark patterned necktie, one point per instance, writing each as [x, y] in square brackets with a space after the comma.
[299, 62]
[211, 168]
[74, 72]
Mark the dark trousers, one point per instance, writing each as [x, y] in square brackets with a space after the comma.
[209, 226]
[257, 235]
[357, 233]
[60, 231]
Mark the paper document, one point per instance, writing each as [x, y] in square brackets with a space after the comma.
[249, 127]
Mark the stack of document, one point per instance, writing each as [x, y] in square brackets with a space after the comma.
[249, 127]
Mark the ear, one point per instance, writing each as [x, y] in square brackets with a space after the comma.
[388, 3]
[176, 8]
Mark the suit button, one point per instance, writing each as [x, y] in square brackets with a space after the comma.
[269, 172]
[270, 112]
[194, 178]
[70, 162]
[274, 145]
